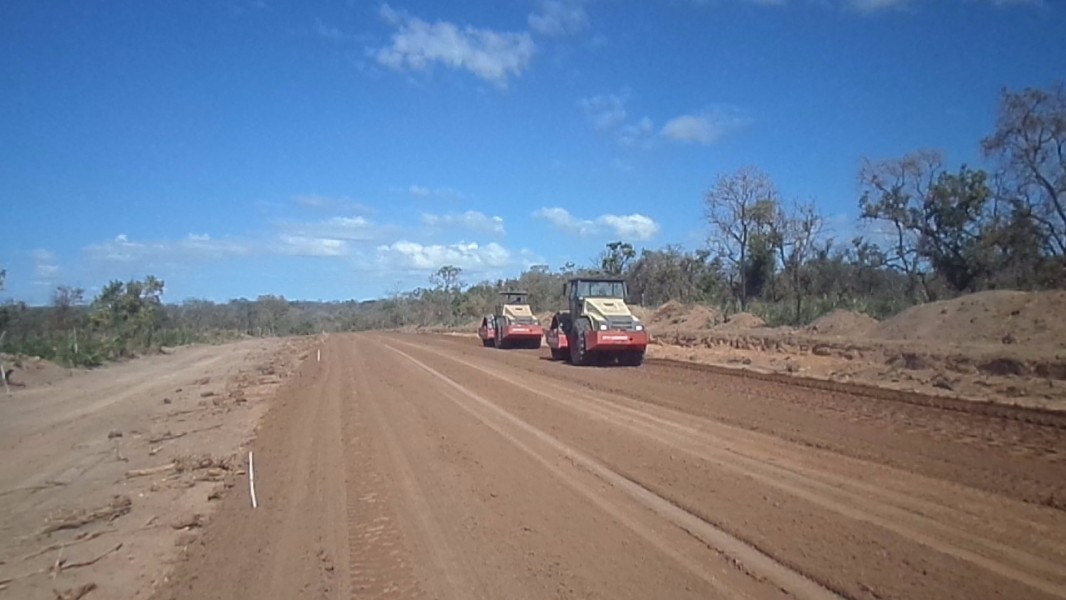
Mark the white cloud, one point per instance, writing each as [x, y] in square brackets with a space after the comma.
[633, 227]
[336, 203]
[193, 246]
[558, 17]
[422, 191]
[635, 133]
[489, 55]
[298, 245]
[471, 220]
[45, 270]
[869, 7]
[606, 112]
[328, 31]
[468, 256]
[562, 219]
[872, 6]
[704, 128]
[609, 114]
[630, 227]
[312, 200]
[355, 228]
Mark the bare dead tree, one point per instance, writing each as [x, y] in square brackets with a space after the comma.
[738, 207]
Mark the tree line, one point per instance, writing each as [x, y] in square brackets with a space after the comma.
[128, 318]
[932, 231]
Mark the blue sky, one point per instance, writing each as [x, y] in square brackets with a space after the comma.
[335, 150]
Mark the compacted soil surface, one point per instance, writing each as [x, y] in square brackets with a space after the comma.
[425, 466]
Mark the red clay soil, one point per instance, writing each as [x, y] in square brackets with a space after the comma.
[843, 323]
[411, 466]
[1028, 319]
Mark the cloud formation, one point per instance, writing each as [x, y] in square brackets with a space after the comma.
[608, 114]
[198, 246]
[877, 6]
[470, 220]
[703, 128]
[872, 6]
[635, 227]
[300, 245]
[469, 256]
[45, 269]
[423, 191]
[558, 17]
[490, 55]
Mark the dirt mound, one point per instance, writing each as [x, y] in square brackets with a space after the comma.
[668, 314]
[31, 371]
[741, 321]
[844, 323]
[674, 315]
[639, 312]
[1036, 319]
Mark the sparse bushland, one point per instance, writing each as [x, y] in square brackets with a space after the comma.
[930, 232]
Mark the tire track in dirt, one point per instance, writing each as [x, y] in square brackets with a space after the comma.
[529, 523]
[377, 549]
[891, 510]
[753, 561]
[451, 572]
[1008, 457]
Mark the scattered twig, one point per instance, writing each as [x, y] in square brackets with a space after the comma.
[34, 488]
[150, 471]
[59, 563]
[61, 545]
[177, 413]
[251, 479]
[75, 593]
[166, 437]
[120, 505]
[92, 561]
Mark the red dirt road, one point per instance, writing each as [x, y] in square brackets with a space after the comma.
[429, 467]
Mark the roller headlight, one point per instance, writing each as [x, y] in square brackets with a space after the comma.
[603, 327]
[639, 327]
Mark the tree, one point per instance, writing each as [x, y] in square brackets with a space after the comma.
[892, 192]
[272, 314]
[614, 259]
[673, 274]
[127, 314]
[64, 299]
[447, 279]
[955, 233]
[795, 234]
[739, 208]
[1030, 142]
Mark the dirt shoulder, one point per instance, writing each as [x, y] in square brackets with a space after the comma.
[1012, 376]
[108, 474]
